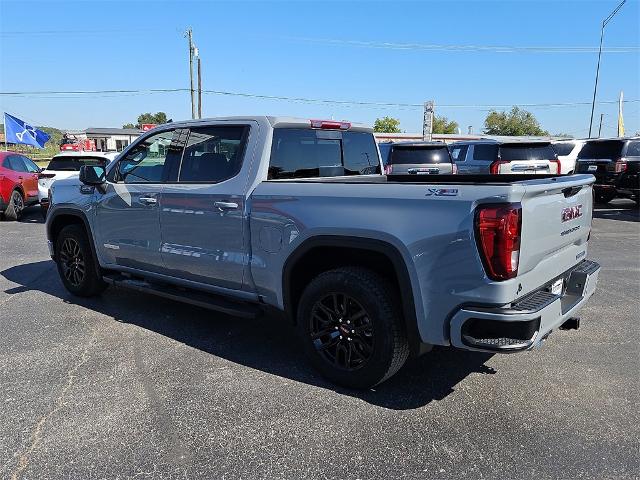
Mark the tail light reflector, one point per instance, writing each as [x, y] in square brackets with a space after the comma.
[558, 166]
[330, 125]
[498, 229]
[454, 170]
[388, 169]
[494, 168]
[620, 166]
[46, 175]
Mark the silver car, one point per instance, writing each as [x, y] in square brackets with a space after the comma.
[495, 157]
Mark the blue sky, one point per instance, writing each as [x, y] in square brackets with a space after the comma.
[319, 50]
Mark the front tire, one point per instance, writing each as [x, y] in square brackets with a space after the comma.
[76, 264]
[15, 206]
[351, 329]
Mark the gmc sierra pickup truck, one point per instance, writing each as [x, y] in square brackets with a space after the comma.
[251, 214]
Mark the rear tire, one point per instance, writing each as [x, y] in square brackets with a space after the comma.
[351, 329]
[76, 264]
[15, 206]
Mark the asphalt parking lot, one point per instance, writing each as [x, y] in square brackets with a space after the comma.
[128, 385]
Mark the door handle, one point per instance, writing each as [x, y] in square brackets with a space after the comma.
[225, 205]
[148, 200]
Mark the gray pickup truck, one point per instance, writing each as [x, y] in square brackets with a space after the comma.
[248, 215]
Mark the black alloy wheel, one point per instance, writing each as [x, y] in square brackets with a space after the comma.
[72, 262]
[341, 331]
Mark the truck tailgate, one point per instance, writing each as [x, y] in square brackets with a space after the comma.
[556, 221]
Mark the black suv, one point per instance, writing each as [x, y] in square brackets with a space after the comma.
[614, 162]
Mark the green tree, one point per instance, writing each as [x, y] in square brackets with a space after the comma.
[443, 125]
[516, 122]
[386, 125]
[157, 118]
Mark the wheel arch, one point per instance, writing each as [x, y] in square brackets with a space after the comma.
[63, 217]
[325, 252]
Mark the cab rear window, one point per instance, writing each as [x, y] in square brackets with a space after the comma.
[419, 155]
[527, 152]
[606, 149]
[308, 153]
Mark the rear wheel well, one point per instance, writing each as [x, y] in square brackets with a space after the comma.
[321, 255]
[322, 259]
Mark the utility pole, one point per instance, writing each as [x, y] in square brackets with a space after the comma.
[600, 127]
[595, 88]
[427, 123]
[199, 89]
[189, 35]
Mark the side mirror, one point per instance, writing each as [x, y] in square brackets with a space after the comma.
[92, 175]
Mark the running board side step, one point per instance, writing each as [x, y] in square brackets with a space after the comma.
[194, 297]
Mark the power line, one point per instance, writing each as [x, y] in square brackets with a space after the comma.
[462, 48]
[131, 92]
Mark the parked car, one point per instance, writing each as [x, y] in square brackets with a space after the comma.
[275, 214]
[614, 162]
[496, 157]
[65, 165]
[567, 151]
[419, 158]
[18, 184]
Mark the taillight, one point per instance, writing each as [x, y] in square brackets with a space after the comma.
[494, 168]
[46, 175]
[454, 169]
[558, 166]
[498, 230]
[620, 166]
[330, 125]
[388, 169]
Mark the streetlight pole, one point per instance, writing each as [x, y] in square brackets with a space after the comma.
[595, 88]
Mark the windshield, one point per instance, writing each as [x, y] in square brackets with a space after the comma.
[414, 155]
[527, 152]
[602, 150]
[74, 163]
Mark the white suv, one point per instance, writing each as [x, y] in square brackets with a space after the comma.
[65, 165]
[567, 151]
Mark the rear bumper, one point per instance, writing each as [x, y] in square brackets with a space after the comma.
[527, 322]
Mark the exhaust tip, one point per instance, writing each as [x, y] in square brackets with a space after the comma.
[571, 324]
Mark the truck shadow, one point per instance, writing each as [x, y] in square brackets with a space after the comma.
[266, 344]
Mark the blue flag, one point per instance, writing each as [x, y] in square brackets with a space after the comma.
[17, 131]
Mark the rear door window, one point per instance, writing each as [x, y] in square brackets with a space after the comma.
[633, 149]
[31, 167]
[606, 149]
[213, 154]
[307, 153]
[485, 152]
[563, 148]
[419, 155]
[527, 152]
[459, 152]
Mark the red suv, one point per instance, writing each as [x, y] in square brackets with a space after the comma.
[18, 184]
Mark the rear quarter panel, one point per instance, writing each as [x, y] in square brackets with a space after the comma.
[434, 235]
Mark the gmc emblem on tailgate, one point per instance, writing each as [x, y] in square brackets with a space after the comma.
[571, 213]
